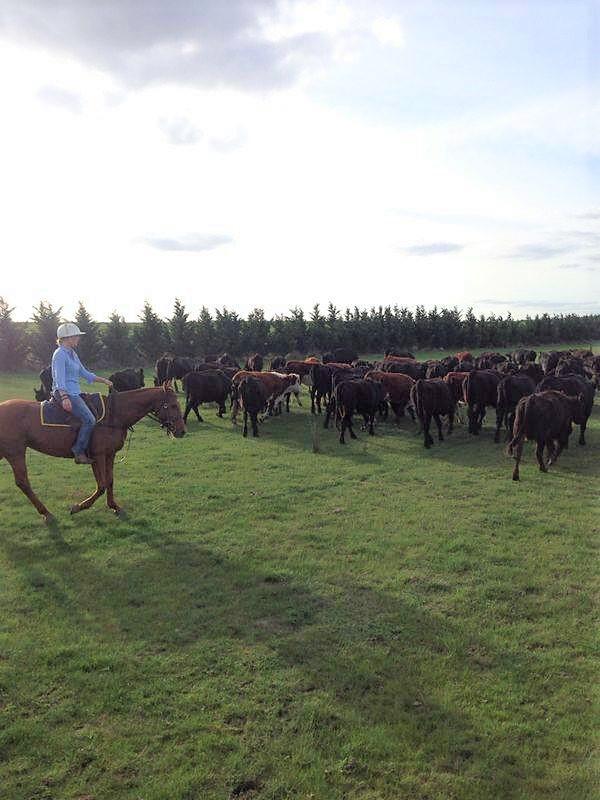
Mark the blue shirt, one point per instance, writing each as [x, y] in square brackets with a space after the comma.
[67, 369]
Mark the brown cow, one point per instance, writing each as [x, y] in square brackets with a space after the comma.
[546, 417]
[276, 384]
[396, 388]
[464, 355]
[433, 398]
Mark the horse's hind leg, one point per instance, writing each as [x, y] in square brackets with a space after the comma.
[99, 468]
[19, 468]
[110, 498]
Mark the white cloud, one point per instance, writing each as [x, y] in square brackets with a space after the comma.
[388, 31]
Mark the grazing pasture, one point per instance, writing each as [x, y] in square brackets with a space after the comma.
[376, 621]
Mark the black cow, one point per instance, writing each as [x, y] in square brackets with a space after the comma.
[545, 417]
[225, 360]
[341, 355]
[433, 398]
[125, 380]
[253, 396]
[357, 396]
[535, 371]
[549, 361]
[573, 385]
[415, 369]
[162, 369]
[480, 390]
[398, 353]
[45, 390]
[568, 365]
[205, 387]
[320, 378]
[464, 366]
[510, 390]
[522, 356]
[254, 363]
[278, 363]
[489, 360]
[338, 376]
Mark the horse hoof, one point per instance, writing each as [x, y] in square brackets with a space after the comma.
[74, 509]
[50, 519]
[119, 512]
[515, 477]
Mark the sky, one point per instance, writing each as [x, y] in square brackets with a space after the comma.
[258, 153]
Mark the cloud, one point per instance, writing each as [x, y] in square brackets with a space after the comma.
[548, 305]
[190, 243]
[537, 252]
[206, 43]
[435, 248]
[591, 215]
[180, 130]
[61, 98]
[578, 267]
[388, 31]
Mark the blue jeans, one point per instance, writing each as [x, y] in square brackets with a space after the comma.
[82, 412]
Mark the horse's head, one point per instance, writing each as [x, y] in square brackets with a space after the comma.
[168, 412]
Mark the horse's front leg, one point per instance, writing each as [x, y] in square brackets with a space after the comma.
[110, 498]
[99, 468]
[19, 468]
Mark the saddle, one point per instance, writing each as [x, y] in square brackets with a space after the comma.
[53, 414]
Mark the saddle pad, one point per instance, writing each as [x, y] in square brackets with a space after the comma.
[54, 415]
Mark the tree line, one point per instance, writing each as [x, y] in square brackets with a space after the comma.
[117, 343]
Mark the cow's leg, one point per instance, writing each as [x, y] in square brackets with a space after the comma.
[426, 426]
[99, 469]
[450, 421]
[19, 468]
[499, 419]
[582, 428]
[352, 434]
[245, 431]
[221, 410]
[110, 498]
[254, 419]
[312, 393]
[198, 412]
[188, 408]
[342, 427]
[539, 454]
[372, 423]
[438, 422]
[328, 413]
[518, 452]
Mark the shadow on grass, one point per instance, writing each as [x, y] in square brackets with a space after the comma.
[370, 659]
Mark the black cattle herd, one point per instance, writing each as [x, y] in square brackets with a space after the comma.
[536, 399]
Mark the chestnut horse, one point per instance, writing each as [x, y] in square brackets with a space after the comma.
[20, 428]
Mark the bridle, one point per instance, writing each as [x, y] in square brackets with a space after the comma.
[165, 420]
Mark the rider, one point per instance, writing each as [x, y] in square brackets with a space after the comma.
[67, 369]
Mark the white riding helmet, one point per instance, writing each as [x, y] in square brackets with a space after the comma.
[68, 329]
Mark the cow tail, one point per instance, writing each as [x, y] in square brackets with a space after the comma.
[522, 415]
[418, 394]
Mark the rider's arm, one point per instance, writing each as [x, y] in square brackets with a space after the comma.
[59, 373]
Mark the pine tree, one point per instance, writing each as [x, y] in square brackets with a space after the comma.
[90, 345]
[255, 332]
[180, 331]
[118, 344]
[44, 322]
[204, 334]
[150, 335]
[13, 346]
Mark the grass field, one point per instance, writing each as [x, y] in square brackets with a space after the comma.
[373, 621]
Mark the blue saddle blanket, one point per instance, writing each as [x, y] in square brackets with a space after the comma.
[52, 413]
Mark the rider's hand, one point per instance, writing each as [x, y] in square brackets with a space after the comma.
[109, 384]
[66, 404]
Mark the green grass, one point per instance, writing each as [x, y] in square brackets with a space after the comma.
[372, 621]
